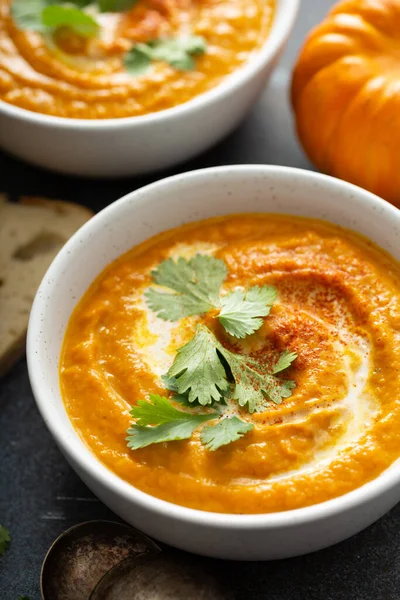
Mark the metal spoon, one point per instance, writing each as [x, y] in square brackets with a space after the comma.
[83, 554]
[160, 577]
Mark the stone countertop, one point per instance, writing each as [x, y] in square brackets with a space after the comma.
[40, 495]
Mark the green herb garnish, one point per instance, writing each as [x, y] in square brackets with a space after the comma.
[179, 52]
[196, 285]
[241, 312]
[77, 20]
[48, 15]
[198, 369]
[255, 386]
[204, 372]
[158, 421]
[284, 361]
[4, 539]
[224, 432]
[202, 368]
[138, 60]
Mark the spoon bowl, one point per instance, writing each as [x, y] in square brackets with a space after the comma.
[159, 577]
[82, 555]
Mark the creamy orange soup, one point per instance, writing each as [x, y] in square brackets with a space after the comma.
[66, 76]
[338, 308]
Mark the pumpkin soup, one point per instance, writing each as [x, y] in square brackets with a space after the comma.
[243, 364]
[93, 60]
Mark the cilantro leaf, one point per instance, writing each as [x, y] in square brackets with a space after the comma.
[140, 437]
[157, 411]
[4, 539]
[171, 383]
[27, 14]
[138, 60]
[241, 312]
[284, 361]
[77, 20]
[194, 44]
[199, 370]
[224, 432]
[158, 421]
[178, 52]
[196, 283]
[254, 387]
[172, 307]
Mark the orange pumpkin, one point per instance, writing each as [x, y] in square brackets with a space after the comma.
[346, 95]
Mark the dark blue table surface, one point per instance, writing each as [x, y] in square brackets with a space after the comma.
[40, 496]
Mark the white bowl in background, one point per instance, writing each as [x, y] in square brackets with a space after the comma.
[134, 145]
[129, 221]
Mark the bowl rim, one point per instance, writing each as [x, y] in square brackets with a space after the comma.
[283, 21]
[89, 464]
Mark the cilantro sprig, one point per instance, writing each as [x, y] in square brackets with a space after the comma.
[204, 372]
[203, 368]
[157, 421]
[179, 52]
[77, 20]
[195, 286]
[198, 369]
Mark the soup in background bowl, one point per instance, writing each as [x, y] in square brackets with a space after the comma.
[335, 312]
[142, 104]
[58, 72]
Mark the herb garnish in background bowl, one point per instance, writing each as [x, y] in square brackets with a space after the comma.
[79, 18]
[179, 52]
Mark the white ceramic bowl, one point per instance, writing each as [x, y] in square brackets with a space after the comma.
[129, 221]
[134, 145]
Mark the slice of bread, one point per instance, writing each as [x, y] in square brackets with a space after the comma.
[32, 231]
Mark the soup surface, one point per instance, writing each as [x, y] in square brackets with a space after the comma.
[60, 74]
[338, 308]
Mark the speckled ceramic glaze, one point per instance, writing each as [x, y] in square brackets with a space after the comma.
[128, 222]
[133, 145]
